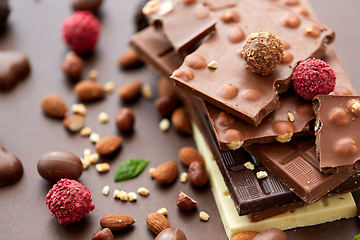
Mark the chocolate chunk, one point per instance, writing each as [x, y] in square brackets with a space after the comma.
[337, 132]
[89, 5]
[11, 169]
[4, 13]
[56, 165]
[271, 234]
[171, 234]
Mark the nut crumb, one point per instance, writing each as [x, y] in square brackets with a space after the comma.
[146, 91]
[93, 74]
[102, 167]
[94, 137]
[132, 196]
[164, 124]
[94, 158]
[151, 171]
[183, 177]
[212, 64]
[162, 211]
[105, 190]
[204, 216]
[103, 117]
[87, 152]
[116, 193]
[109, 87]
[85, 163]
[143, 191]
[291, 117]
[79, 108]
[85, 131]
[261, 174]
[249, 166]
[123, 196]
[150, 7]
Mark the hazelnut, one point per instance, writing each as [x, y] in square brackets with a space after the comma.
[103, 234]
[197, 174]
[72, 66]
[166, 104]
[125, 120]
[184, 202]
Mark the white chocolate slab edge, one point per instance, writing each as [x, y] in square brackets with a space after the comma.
[325, 210]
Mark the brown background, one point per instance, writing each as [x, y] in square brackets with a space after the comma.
[34, 28]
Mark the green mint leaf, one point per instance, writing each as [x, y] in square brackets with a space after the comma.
[357, 237]
[130, 168]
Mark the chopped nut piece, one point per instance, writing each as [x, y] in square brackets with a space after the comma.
[162, 211]
[116, 193]
[151, 171]
[283, 138]
[291, 117]
[93, 74]
[249, 165]
[146, 91]
[261, 174]
[94, 158]
[143, 191]
[212, 64]
[105, 190]
[85, 131]
[102, 167]
[204, 216]
[150, 7]
[79, 108]
[165, 8]
[123, 195]
[94, 137]
[183, 177]
[109, 87]
[85, 163]
[164, 124]
[87, 152]
[103, 117]
[132, 196]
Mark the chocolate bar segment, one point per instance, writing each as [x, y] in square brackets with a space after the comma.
[337, 133]
[231, 86]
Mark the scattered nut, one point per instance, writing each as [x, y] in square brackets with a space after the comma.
[164, 124]
[162, 211]
[143, 191]
[151, 172]
[130, 91]
[109, 87]
[103, 234]
[116, 221]
[197, 174]
[74, 123]
[85, 163]
[132, 196]
[54, 106]
[108, 145]
[181, 121]
[88, 90]
[103, 117]
[125, 120]
[94, 137]
[85, 131]
[291, 117]
[166, 104]
[93, 74]
[204, 216]
[117, 193]
[188, 155]
[102, 167]
[87, 152]
[146, 91]
[157, 222]
[94, 158]
[184, 202]
[72, 66]
[129, 59]
[183, 177]
[261, 174]
[249, 166]
[123, 196]
[166, 172]
[105, 190]
[150, 7]
[245, 235]
[79, 108]
[212, 64]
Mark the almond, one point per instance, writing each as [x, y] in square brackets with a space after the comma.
[108, 145]
[129, 59]
[88, 90]
[54, 106]
[245, 235]
[157, 222]
[188, 155]
[181, 121]
[116, 221]
[166, 172]
[74, 123]
[130, 91]
[184, 202]
[72, 66]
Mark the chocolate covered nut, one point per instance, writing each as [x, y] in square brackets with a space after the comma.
[230, 16]
[271, 234]
[171, 234]
[130, 91]
[251, 94]
[125, 120]
[346, 146]
[88, 90]
[4, 14]
[195, 61]
[312, 31]
[224, 119]
[290, 20]
[184, 73]
[234, 139]
[284, 131]
[235, 34]
[89, 5]
[11, 169]
[227, 91]
[56, 165]
[54, 106]
[72, 66]
[14, 66]
[339, 117]
[197, 174]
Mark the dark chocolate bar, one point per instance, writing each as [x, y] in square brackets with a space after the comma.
[337, 133]
[231, 86]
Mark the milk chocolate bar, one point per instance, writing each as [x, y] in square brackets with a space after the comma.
[168, 15]
[231, 86]
[338, 133]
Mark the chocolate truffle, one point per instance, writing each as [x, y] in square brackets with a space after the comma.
[262, 51]
[4, 13]
[171, 234]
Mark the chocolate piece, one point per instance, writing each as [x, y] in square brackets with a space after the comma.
[262, 51]
[14, 66]
[206, 83]
[4, 13]
[215, 5]
[11, 169]
[170, 14]
[171, 234]
[56, 165]
[271, 234]
[337, 133]
[89, 5]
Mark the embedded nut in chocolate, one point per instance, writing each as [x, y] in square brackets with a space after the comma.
[235, 139]
[290, 20]
[72, 66]
[11, 169]
[224, 119]
[227, 91]
[284, 131]
[184, 73]
[312, 31]
[345, 146]
[339, 117]
[195, 61]
[56, 165]
[235, 34]
[251, 94]
[287, 57]
[171, 233]
[125, 120]
[197, 174]
[230, 16]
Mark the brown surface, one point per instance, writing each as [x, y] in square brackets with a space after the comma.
[34, 28]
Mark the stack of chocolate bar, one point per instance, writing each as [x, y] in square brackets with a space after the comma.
[276, 151]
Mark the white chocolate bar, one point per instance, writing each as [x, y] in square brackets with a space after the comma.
[325, 210]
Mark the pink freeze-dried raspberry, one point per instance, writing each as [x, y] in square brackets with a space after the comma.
[81, 31]
[313, 77]
[69, 201]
